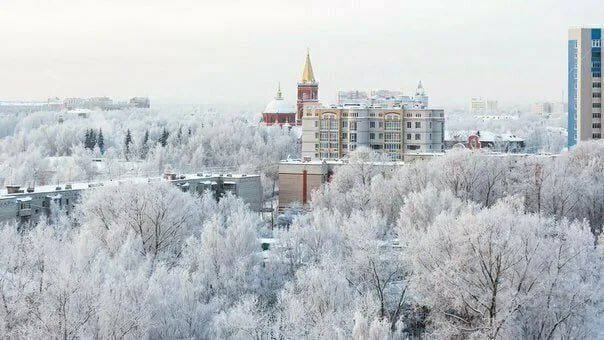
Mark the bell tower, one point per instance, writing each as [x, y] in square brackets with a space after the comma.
[308, 89]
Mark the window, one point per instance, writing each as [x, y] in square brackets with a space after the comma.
[597, 135]
[316, 123]
[596, 64]
[430, 125]
[418, 115]
[371, 124]
[596, 85]
[408, 125]
[353, 137]
[344, 123]
[417, 136]
[316, 135]
[408, 136]
[344, 135]
[595, 125]
[353, 126]
[393, 125]
[381, 135]
[418, 125]
[596, 105]
[412, 147]
[381, 124]
[372, 135]
[596, 95]
[596, 43]
[597, 115]
[596, 74]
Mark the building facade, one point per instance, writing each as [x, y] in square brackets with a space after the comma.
[483, 106]
[30, 204]
[584, 84]
[333, 132]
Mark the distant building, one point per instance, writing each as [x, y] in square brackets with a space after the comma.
[52, 104]
[584, 84]
[385, 98]
[105, 103]
[279, 111]
[352, 97]
[140, 102]
[483, 106]
[497, 142]
[548, 108]
[541, 108]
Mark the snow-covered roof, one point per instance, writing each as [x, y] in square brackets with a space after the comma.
[279, 106]
[485, 136]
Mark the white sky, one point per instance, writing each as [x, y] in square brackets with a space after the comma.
[235, 52]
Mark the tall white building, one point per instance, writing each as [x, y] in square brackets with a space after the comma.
[584, 84]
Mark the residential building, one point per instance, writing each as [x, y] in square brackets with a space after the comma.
[584, 84]
[30, 204]
[332, 132]
[483, 106]
[497, 142]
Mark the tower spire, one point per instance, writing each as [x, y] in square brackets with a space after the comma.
[279, 96]
[307, 75]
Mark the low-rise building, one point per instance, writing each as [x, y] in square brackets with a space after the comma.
[29, 204]
[497, 142]
[299, 178]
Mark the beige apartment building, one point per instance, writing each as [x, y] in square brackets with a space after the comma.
[331, 132]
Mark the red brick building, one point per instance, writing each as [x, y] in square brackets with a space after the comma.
[279, 111]
[308, 89]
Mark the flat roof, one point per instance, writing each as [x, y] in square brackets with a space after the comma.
[46, 189]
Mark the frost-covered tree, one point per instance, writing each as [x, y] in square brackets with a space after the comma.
[496, 273]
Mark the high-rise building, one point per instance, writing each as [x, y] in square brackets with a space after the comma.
[308, 89]
[584, 84]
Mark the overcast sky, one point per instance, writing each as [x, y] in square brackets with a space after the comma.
[226, 51]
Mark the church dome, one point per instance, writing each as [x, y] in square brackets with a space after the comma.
[279, 105]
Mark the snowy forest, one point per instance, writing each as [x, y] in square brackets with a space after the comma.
[59, 147]
[465, 246]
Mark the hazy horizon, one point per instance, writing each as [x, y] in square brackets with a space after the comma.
[233, 53]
